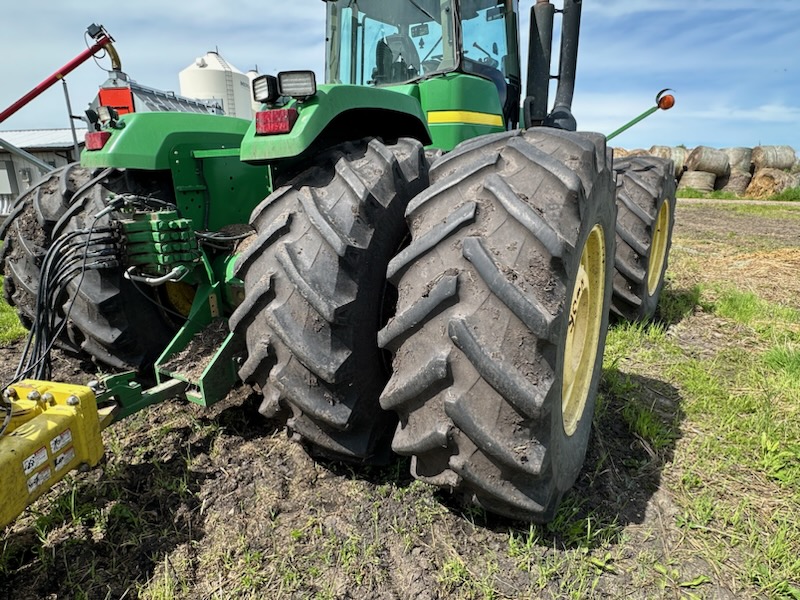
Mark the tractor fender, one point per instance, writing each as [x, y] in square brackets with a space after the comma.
[146, 140]
[339, 113]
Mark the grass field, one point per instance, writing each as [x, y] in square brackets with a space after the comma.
[691, 487]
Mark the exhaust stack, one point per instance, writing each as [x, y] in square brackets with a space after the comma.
[540, 61]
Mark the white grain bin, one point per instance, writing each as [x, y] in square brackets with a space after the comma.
[212, 77]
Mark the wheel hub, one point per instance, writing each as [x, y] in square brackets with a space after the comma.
[658, 248]
[583, 329]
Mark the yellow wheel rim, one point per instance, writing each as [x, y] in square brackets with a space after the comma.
[658, 249]
[180, 296]
[583, 329]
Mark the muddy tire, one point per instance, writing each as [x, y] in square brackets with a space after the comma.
[501, 319]
[645, 218]
[27, 234]
[315, 295]
[116, 324]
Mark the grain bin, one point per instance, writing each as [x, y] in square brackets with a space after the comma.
[212, 77]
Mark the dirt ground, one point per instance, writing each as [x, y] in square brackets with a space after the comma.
[207, 503]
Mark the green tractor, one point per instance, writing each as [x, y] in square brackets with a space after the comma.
[412, 257]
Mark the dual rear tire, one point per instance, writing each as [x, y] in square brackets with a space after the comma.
[646, 205]
[501, 320]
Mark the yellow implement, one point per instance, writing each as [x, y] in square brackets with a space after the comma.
[54, 428]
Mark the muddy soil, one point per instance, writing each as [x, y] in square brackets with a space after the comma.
[218, 503]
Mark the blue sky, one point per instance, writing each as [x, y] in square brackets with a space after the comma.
[734, 64]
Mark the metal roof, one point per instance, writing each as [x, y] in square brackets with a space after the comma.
[40, 139]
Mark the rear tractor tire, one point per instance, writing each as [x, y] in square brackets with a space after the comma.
[316, 295]
[645, 218]
[112, 321]
[502, 315]
[27, 235]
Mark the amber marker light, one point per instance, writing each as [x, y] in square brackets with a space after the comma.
[664, 100]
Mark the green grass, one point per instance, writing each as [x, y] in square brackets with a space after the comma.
[735, 454]
[715, 195]
[10, 327]
[788, 195]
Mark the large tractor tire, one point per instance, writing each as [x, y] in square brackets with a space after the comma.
[646, 215]
[27, 234]
[501, 319]
[316, 295]
[109, 319]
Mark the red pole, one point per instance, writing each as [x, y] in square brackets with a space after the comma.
[102, 41]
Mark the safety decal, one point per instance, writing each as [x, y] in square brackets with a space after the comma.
[62, 440]
[63, 459]
[38, 479]
[34, 461]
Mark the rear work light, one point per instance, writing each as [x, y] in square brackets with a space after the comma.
[297, 84]
[95, 140]
[271, 122]
[265, 89]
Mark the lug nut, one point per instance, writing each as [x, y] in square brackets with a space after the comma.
[73, 401]
[9, 393]
[49, 398]
[34, 396]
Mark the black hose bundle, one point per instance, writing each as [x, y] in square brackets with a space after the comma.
[70, 256]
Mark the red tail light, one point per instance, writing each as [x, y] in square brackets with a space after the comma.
[95, 140]
[271, 122]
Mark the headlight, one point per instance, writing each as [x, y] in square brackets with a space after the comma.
[297, 84]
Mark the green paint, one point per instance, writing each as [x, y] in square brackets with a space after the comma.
[459, 92]
[339, 113]
[145, 140]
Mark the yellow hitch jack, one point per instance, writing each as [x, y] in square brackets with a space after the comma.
[53, 429]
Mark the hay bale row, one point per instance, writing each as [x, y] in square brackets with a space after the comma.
[758, 172]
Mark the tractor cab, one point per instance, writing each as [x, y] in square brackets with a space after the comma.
[379, 43]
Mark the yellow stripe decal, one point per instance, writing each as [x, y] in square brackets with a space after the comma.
[466, 117]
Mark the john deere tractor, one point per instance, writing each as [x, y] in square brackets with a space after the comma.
[413, 257]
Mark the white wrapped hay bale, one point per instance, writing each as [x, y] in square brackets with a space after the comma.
[740, 158]
[661, 152]
[734, 183]
[768, 182]
[773, 157]
[708, 160]
[698, 180]
[677, 154]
